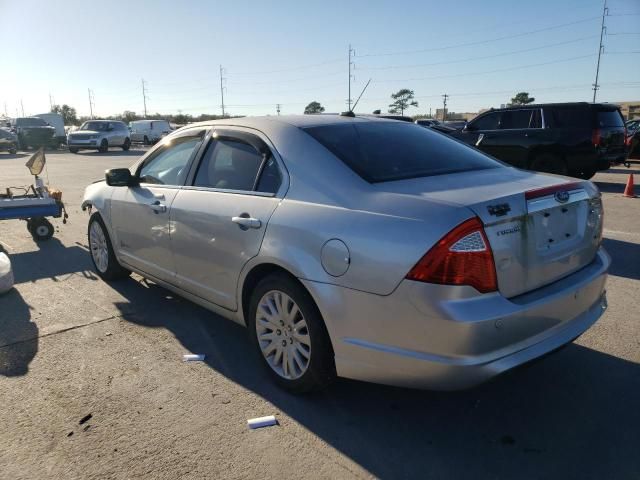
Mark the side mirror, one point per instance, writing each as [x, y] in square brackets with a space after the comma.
[119, 177]
[468, 127]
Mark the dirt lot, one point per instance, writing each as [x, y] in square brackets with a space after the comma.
[92, 383]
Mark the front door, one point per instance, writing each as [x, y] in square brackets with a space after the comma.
[140, 214]
[218, 222]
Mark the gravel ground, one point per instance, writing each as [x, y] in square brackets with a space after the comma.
[92, 383]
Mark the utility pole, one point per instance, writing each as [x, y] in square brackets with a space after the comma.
[22, 107]
[444, 109]
[144, 97]
[278, 108]
[5, 110]
[430, 113]
[352, 53]
[605, 12]
[222, 89]
[51, 101]
[90, 102]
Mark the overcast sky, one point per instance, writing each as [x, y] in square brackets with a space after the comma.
[293, 52]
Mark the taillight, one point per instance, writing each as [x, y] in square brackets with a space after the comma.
[596, 138]
[462, 257]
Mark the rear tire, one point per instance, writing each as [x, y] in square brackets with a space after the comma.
[104, 146]
[303, 335]
[126, 145]
[549, 163]
[73, 150]
[104, 259]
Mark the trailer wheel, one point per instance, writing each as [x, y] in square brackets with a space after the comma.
[40, 229]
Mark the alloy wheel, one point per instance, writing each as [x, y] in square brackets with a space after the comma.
[283, 335]
[98, 246]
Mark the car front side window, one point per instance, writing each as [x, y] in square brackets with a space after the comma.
[169, 165]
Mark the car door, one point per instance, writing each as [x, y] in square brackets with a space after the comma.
[140, 214]
[482, 132]
[219, 221]
[519, 130]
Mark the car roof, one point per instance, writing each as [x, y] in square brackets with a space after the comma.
[607, 106]
[300, 121]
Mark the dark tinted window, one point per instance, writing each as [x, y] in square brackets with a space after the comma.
[517, 119]
[610, 119]
[489, 121]
[30, 122]
[568, 117]
[384, 151]
[229, 164]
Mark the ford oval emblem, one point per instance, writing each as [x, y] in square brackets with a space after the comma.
[562, 196]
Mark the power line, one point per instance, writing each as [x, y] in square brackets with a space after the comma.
[488, 71]
[291, 69]
[471, 59]
[481, 42]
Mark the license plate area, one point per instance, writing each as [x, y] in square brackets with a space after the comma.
[555, 227]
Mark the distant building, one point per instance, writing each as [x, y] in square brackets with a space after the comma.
[630, 110]
[454, 115]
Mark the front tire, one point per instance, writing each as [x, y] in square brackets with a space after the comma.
[73, 150]
[104, 259]
[288, 331]
[104, 146]
[126, 145]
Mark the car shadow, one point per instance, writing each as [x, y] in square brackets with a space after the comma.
[113, 153]
[18, 335]
[622, 254]
[570, 415]
[52, 260]
[621, 170]
[10, 156]
[610, 187]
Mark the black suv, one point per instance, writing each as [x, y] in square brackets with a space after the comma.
[33, 132]
[575, 139]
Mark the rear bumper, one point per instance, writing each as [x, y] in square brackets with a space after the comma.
[449, 338]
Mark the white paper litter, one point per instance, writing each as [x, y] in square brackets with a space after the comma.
[260, 422]
[6, 273]
[188, 357]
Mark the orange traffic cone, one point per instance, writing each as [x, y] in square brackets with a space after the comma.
[628, 190]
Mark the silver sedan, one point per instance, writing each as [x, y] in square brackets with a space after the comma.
[364, 248]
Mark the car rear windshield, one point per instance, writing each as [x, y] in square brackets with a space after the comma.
[385, 151]
[610, 118]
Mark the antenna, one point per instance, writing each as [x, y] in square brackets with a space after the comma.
[365, 87]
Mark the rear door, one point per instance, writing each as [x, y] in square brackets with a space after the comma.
[520, 130]
[219, 221]
[610, 125]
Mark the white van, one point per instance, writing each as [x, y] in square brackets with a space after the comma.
[148, 131]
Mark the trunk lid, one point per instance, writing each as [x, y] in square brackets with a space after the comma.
[536, 236]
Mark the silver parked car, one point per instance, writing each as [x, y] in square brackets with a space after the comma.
[99, 135]
[365, 248]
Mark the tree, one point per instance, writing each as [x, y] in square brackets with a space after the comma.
[314, 107]
[129, 116]
[403, 100]
[522, 98]
[68, 113]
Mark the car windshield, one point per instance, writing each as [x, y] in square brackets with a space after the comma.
[31, 122]
[95, 126]
[386, 151]
[610, 118]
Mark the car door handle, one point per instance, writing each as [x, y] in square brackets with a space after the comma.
[158, 207]
[246, 222]
[480, 138]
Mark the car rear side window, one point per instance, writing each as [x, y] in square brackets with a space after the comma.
[517, 119]
[610, 118]
[568, 117]
[385, 151]
[169, 165]
[232, 164]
